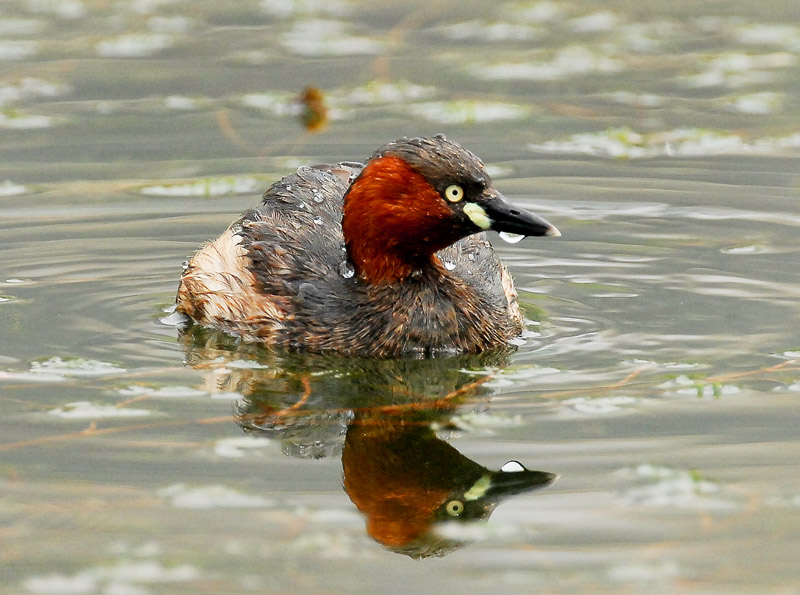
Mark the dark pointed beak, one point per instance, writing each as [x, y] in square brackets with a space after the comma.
[506, 217]
[508, 483]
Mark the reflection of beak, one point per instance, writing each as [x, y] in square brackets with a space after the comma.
[508, 483]
[506, 217]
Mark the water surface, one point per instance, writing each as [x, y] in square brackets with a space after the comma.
[658, 376]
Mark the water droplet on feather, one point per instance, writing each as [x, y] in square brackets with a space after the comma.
[346, 269]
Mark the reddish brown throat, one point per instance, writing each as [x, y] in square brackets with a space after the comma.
[395, 221]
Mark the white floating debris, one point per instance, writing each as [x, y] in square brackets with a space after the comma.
[120, 579]
[674, 488]
[61, 584]
[318, 37]
[468, 111]
[378, 92]
[134, 45]
[285, 9]
[207, 188]
[482, 30]
[9, 26]
[17, 50]
[75, 367]
[476, 422]
[649, 573]
[545, 11]
[31, 88]
[278, 104]
[9, 188]
[567, 62]
[212, 496]
[19, 120]
[738, 69]
[178, 392]
[600, 405]
[787, 36]
[595, 22]
[181, 103]
[624, 143]
[756, 103]
[86, 410]
[134, 391]
[236, 448]
[65, 9]
[641, 100]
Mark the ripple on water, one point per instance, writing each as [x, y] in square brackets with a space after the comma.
[744, 250]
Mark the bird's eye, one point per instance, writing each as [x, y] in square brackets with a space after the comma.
[455, 507]
[454, 193]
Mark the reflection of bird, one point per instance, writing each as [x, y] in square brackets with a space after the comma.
[378, 415]
[382, 260]
[306, 401]
[406, 481]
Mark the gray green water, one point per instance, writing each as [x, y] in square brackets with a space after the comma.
[659, 375]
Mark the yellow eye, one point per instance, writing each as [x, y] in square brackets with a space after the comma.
[455, 507]
[454, 193]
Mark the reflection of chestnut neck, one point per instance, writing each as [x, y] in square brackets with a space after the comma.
[399, 476]
[394, 221]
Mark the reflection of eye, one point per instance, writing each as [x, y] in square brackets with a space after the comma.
[454, 193]
[455, 507]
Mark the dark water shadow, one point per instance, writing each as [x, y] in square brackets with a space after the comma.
[382, 418]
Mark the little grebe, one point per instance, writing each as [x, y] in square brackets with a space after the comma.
[386, 259]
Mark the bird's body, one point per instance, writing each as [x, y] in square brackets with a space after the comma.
[368, 261]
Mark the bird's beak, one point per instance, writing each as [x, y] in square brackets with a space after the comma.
[508, 483]
[502, 216]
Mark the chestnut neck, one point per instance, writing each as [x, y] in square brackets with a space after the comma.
[394, 221]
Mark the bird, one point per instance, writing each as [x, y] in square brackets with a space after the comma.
[387, 259]
[412, 486]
